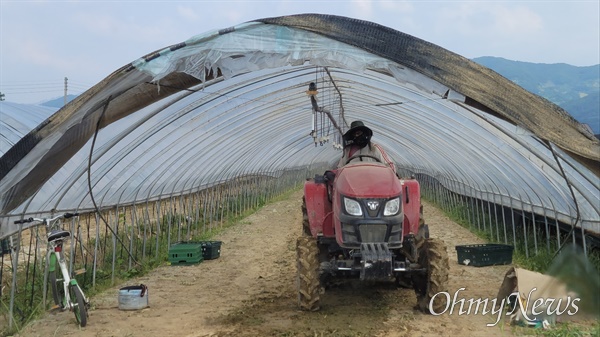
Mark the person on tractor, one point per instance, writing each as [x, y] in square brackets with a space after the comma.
[359, 147]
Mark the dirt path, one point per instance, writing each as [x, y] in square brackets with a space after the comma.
[250, 291]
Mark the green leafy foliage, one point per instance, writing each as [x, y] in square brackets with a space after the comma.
[573, 268]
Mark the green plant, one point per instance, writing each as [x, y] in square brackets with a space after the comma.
[562, 330]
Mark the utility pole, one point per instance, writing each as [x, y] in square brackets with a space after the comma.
[65, 100]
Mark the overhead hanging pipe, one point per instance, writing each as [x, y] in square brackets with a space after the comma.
[317, 108]
[342, 116]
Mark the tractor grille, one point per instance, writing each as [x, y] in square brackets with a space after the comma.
[372, 233]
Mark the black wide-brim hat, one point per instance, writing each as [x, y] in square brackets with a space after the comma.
[357, 126]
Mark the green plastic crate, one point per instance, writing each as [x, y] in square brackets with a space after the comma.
[4, 246]
[480, 255]
[185, 253]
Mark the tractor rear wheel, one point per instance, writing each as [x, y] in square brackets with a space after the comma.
[308, 284]
[434, 257]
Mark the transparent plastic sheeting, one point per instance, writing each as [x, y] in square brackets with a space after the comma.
[156, 141]
[16, 120]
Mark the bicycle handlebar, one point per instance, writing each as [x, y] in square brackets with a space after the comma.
[23, 221]
[66, 216]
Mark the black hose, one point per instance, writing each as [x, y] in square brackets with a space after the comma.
[89, 176]
[578, 215]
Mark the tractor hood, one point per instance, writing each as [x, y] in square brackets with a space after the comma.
[367, 180]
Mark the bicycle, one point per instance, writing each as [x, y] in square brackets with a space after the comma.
[66, 292]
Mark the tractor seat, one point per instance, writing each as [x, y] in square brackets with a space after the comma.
[58, 235]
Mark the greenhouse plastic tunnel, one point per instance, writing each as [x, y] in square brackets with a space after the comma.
[230, 109]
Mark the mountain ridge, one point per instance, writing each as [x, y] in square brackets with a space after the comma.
[574, 88]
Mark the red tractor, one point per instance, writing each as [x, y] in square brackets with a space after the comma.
[362, 221]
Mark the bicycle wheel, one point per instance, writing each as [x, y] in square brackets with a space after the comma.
[79, 306]
[58, 293]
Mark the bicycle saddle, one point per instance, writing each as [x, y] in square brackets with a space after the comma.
[58, 235]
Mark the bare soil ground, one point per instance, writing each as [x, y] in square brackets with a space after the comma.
[250, 291]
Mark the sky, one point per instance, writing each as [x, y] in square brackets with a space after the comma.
[44, 42]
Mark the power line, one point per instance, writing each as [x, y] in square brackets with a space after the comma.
[30, 91]
[19, 88]
[42, 84]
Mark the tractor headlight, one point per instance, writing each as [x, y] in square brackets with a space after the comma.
[352, 207]
[392, 207]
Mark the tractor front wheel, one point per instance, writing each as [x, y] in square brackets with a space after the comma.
[308, 284]
[434, 257]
